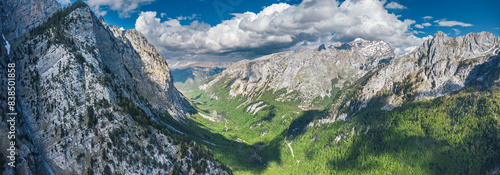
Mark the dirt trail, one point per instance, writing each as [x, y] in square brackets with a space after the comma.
[225, 124]
[289, 145]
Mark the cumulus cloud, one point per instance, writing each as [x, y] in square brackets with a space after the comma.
[394, 5]
[426, 18]
[123, 7]
[446, 23]
[419, 26]
[279, 27]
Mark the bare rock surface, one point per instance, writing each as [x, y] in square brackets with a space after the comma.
[311, 73]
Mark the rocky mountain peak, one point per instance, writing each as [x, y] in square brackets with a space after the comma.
[101, 19]
[322, 47]
[440, 34]
[307, 73]
[467, 46]
[438, 67]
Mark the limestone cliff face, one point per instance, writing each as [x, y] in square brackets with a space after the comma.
[307, 73]
[441, 65]
[94, 99]
[152, 74]
[18, 17]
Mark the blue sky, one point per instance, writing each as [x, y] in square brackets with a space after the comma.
[231, 30]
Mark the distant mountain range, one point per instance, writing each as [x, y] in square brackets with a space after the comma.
[305, 75]
[190, 76]
[440, 66]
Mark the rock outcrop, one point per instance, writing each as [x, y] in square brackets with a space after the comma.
[18, 17]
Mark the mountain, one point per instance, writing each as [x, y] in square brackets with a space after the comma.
[18, 17]
[304, 75]
[434, 110]
[189, 77]
[94, 99]
[440, 66]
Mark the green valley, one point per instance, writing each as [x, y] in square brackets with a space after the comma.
[449, 135]
[404, 115]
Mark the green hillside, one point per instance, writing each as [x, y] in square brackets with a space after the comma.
[459, 134]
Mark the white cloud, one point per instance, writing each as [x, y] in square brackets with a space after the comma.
[446, 23]
[421, 26]
[456, 31]
[394, 5]
[122, 29]
[180, 18]
[427, 18]
[123, 7]
[279, 27]
[163, 14]
[496, 28]
[64, 2]
[406, 50]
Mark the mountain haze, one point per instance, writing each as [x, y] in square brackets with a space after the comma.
[189, 77]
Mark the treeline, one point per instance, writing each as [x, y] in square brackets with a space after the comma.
[57, 19]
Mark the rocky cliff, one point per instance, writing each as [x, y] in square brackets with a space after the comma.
[95, 99]
[440, 66]
[18, 17]
[303, 75]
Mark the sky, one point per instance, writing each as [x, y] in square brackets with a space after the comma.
[231, 30]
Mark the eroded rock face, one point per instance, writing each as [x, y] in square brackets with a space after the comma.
[152, 75]
[310, 72]
[441, 65]
[19, 16]
[92, 98]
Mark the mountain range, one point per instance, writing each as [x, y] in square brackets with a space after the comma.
[92, 98]
[311, 105]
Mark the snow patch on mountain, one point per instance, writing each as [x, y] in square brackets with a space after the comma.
[7, 45]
